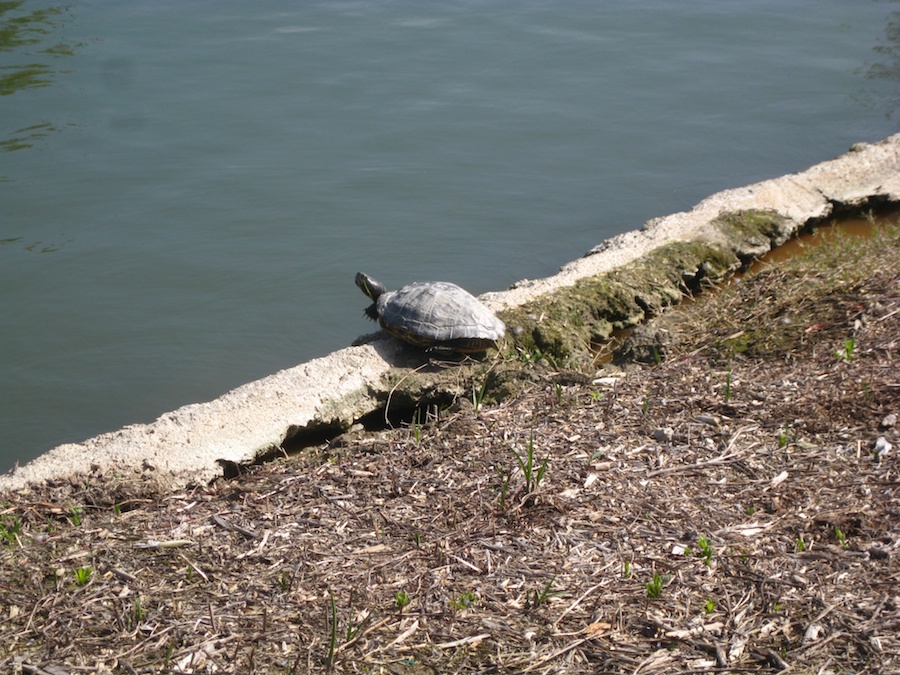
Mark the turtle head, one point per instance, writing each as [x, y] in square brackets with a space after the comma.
[369, 286]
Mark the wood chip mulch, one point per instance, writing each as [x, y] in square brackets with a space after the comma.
[702, 514]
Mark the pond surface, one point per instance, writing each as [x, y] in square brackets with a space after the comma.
[187, 189]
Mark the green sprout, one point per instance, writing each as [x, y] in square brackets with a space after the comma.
[706, 550]
[478, 395]
[654, 586]
[841, 537]
[785, 436]
[75, 514]
[401, 599]
[10, 528]
[526, 464]
[83, 575]
[464, 601]
[848, 352]
[540, 597]
[332, 640]
[417, 426]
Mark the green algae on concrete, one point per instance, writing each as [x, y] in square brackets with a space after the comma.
[753, 232]
[566, 324]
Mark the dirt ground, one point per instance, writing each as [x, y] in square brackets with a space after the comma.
[723, 500]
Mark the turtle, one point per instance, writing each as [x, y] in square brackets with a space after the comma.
[436, 315]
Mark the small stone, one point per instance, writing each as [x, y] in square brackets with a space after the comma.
[889, 421]
[812, 633]
[878, 553]
[882, 448]
[662, 435]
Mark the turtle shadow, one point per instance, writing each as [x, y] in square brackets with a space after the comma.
[399, 354]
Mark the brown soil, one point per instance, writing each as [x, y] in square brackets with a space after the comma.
[725, 509]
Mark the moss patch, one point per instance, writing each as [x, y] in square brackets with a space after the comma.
[753, 233]
[566, 325]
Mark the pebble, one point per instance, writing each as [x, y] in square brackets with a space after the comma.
[882, 447]
[662, 435]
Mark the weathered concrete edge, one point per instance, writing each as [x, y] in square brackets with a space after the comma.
[867, 171]
[188, 445]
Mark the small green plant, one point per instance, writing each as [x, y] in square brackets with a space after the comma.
[533, 477]
[401, 599]
[541, 596]
[332, 639]
[655, 585]
[83, 575]
[478, 395]
[138, 611]
[75, 515]
[463, 601]
[559, 392]
[417, 426]
[596, 396]
[626, 570]
[503, 492]
[532, 356]
[785, 436]
[10, 528]
[728, 384]
[848, 352]
[841, 537]
[750, 510]
[706, 550]
[709, 606]
[800, 544]
[356, 626]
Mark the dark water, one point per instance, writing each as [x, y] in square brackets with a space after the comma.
[187, 188]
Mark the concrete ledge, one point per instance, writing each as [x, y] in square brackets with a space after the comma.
[869, 171]
[190, 445]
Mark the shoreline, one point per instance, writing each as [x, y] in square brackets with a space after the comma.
[328, 396]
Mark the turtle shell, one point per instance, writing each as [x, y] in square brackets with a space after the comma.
[439, 314]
